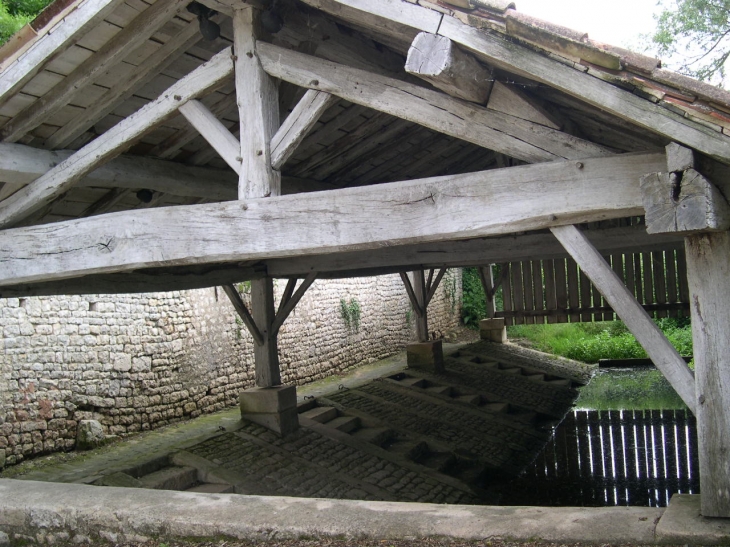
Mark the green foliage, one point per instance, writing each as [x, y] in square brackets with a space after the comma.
[449, 282]
[473, 304]
[698, 33]
[244, 287]
[350, 313]
[16, 13]
[589, 342]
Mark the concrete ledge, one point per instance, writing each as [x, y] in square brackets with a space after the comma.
[50, 512]
[683, 524]
[426, 356]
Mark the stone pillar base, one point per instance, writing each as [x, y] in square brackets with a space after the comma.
[275, 408]
[426, 355]
[493, 330]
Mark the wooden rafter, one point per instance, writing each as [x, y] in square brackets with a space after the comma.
[243, 313]
[56, 181]
[213, 131]
[513, 136]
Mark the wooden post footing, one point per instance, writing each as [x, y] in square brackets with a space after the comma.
[275, 408]
[493, 330]
[426, 356]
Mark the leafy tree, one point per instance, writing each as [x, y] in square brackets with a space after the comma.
[16, 13]
[695, 35]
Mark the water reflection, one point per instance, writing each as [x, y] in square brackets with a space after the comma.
[632, 456]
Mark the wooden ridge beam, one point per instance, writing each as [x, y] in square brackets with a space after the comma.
[659, 349]
[59, 179]
[142, 27]
[497, 131]
[499, 201]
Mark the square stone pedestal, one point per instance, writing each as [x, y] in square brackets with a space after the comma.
[493, 330]
[426, 356]
[275, 408]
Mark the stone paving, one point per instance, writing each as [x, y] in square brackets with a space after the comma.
[385, 434]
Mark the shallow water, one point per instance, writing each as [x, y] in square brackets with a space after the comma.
[630, 441]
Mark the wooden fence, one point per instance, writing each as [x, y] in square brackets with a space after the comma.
[616, 458]
[556, 291]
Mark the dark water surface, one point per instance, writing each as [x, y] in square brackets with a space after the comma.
[630, 441]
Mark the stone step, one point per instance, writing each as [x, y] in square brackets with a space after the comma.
[471, 399]
[502, 408]
[374, 435]
[411, 450]
[321, 414]
[209, 488]
[510, 370]
[440, 390]
[559, 382]
[439, 461]
[536, 377]
[414, 382]
[170, 478]
[346, 424]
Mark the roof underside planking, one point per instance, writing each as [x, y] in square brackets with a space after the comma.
[545, 94]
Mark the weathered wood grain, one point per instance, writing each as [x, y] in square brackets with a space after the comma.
[513, 136]
[258, 110]
[510, 100]
[659, 349]
[298, 125]
[437, 60]
[53, 183]
[266, 354]
[494, 202]
[708, 269]
[683, 202]
[243, 313]
[213, 131]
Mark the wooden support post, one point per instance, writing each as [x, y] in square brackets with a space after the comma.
[487, 279]
[266, 355]
[660, 350]
[419, 291]
[708, 270]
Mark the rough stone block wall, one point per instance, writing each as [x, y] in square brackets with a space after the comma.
[136, 362]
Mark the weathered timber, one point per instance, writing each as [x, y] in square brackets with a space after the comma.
[505, 54]
[661, 351]
[433, 284]
[266, 354]
[258, 110]
[437, 60]
[150, 280]
[213, 131]
[683, 202]
[487, 280]
[85, 17]
[298, 124]
[498, 51]
[290, 300]
[243, 313]
[416, 290]
[708, 269]
[133, 35]
[106, 203]
[56, 181]
[497, 131]
[510, 100]
[20, 165]
[494, 202]
[145, 71]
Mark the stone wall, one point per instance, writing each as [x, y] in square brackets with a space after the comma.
[136, 362]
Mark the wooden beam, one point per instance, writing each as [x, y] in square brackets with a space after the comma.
[266, 354]
[433, 284]
[510, 100]
[415, 303]
[659, 349]
[493, 130]
[288, 306]
[84, 17]
[437, 60]
[152, 66]
[107, 202]
[298, 125]
[494, 202]
[133, 35]
[243, 313]
[213, 131]
[501, 52]
[487, 280]
[708, 274]
[56, 181]
[258, 110]
[419, 293]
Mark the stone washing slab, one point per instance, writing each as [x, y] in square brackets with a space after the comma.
[683, 524]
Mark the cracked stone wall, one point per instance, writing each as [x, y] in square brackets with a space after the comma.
[136, 362]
